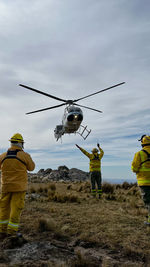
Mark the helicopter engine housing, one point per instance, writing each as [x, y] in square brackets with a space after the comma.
[59, 131]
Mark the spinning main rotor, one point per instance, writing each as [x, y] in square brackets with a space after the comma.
[67, 102]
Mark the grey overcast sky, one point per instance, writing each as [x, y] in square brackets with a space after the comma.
[71, 48]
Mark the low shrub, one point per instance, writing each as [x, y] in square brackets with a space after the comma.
[64, 198]
[45, 225]
[32, 190]
[127, 185]
[52, 187]
[69, 187]
[108, 188]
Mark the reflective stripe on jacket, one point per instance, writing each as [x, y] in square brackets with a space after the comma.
[95, 162]
[14, 172]
[142, 170]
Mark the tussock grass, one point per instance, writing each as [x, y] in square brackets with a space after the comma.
[45, 225]
[52, 186]
[64, 198]
[48, 226]
[108, 188]
[69, 187]
[127, 185]
[84, 261]
[38, 188]
[32, 189]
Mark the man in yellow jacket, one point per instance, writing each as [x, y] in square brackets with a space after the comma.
[14, 165]
[95, 168]
[141, 166]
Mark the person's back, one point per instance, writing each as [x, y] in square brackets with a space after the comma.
[14, 165]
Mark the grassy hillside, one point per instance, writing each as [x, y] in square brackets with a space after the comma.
[105, 232]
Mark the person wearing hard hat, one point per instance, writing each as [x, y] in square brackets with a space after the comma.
[95, 168]
[141, 166]
[14, 165]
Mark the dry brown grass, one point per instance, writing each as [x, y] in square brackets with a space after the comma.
[114, 222]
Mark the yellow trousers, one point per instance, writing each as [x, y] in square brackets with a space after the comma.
[11, 205]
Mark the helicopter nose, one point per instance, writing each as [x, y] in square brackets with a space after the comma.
[75, 117]
[70, 117]
[80, 117]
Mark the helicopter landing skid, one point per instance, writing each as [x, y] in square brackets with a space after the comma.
[83, 131]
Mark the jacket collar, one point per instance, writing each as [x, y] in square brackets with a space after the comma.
[15, 147]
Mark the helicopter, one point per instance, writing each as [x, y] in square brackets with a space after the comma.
[73, 115]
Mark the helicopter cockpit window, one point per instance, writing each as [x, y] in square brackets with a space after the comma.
[74, 109]
[78, 109]
[71, 109]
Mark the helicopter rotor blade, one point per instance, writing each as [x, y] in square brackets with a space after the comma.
[99, 91]
[39, 110]
[42, 93]
[88, 108]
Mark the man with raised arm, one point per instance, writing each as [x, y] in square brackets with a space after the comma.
[95, 168]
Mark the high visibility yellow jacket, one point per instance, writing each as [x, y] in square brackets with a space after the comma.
[142, 170]
[95, 161]
[14, 170]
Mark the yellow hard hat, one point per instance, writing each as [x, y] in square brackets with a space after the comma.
[146, 140]
[17, 138]
[94, 150]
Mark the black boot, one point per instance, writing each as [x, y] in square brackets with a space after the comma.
[3, 236]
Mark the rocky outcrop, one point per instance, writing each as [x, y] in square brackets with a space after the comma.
[63, 173]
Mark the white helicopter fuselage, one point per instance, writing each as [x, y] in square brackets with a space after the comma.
[72, 119]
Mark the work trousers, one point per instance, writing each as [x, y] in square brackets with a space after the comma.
[11, 205]
[96, 179]
[145, 191]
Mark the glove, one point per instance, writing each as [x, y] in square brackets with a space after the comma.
[98, 145]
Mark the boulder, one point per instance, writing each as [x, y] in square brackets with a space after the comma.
[47, 171]
[63, 173]
[63, 168]
[41, 171]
